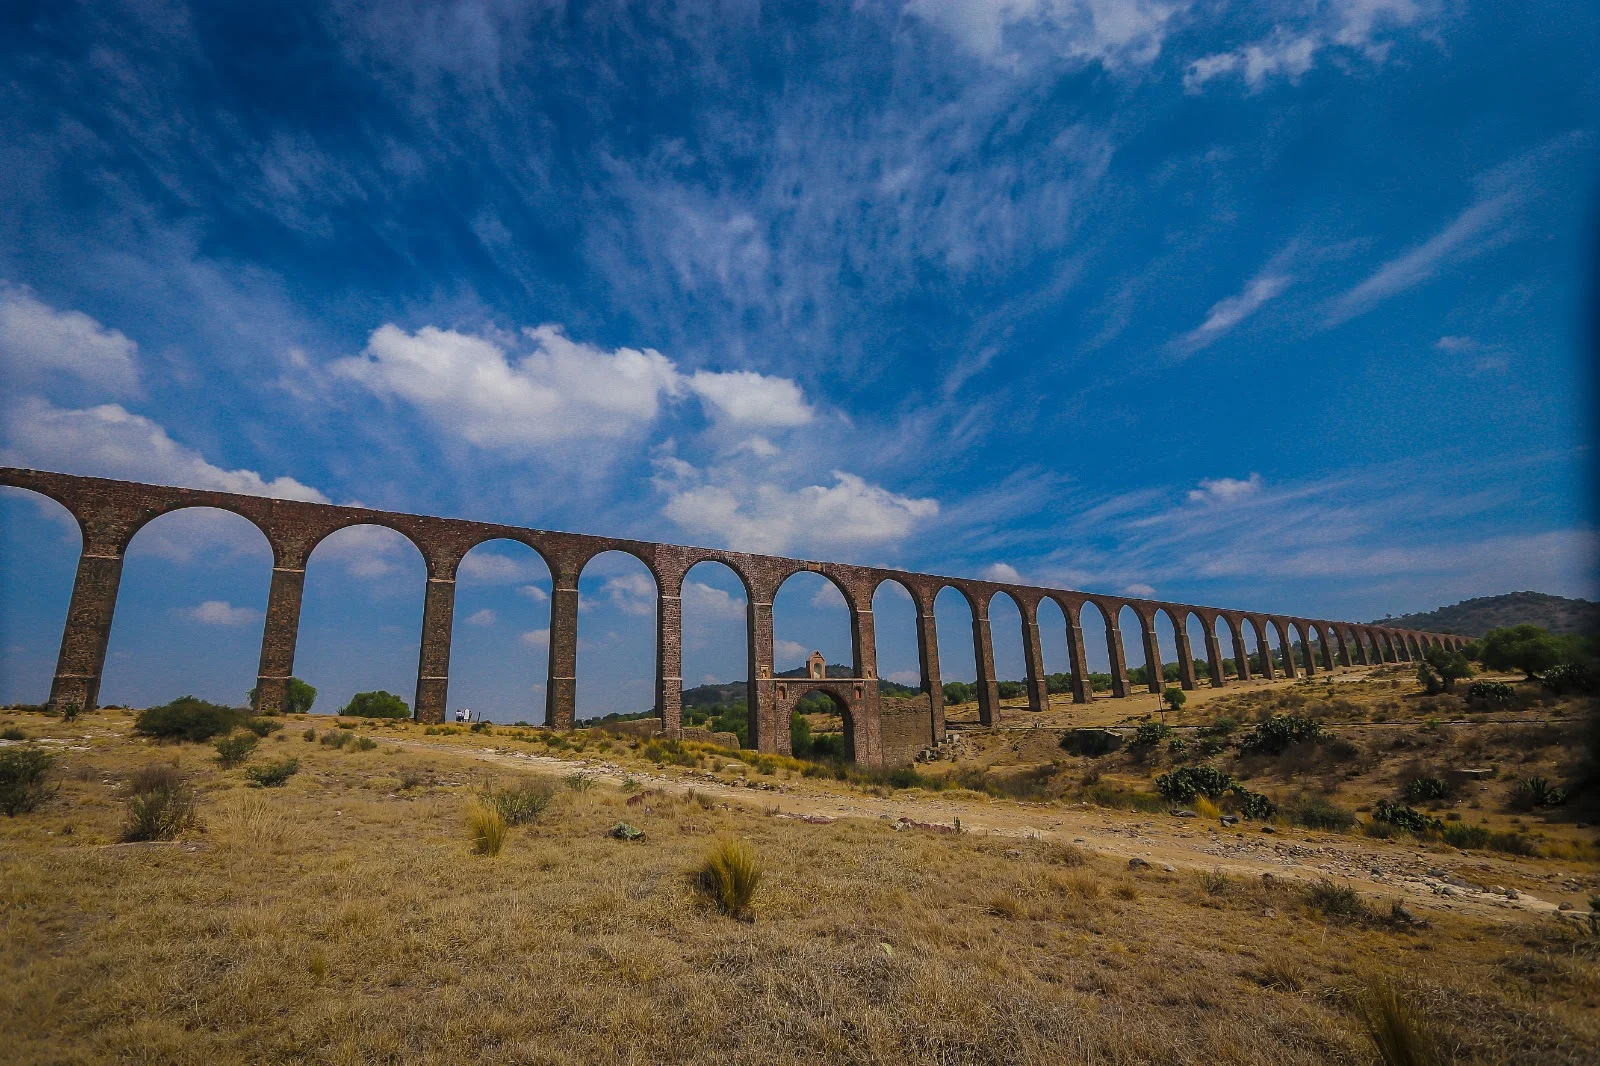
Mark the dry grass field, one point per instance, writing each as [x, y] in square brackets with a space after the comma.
[346, 916]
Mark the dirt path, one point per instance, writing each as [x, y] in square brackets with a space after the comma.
[1464, 882]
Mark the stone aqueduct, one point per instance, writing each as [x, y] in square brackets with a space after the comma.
[109, 513]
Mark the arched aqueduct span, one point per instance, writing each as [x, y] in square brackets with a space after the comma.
[109, 513]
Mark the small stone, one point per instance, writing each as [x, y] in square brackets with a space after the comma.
[624, 831]
[1138, 864]
[1268, 829]
[1565, 906]
[1269, 913]
[1169, 868]
[1183, 814]
[1014, 853]
[1230, 819]
[1512, 893]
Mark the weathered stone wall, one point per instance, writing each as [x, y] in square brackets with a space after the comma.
[906, 724]
[110, 513]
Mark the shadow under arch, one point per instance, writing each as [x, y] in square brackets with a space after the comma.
[40, 545]
[191, 608]
[618, 600]
[361, 628]
[500, 632]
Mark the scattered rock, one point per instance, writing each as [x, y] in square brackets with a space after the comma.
[1169, 868]
[1268, 829]
[1183, 814]
[1014, 853]
[1565, 906]
[624, 831]
[1138, 864]
[1230, 819]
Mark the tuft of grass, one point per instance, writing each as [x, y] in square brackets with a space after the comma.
[1396, 1028]
[12, 733]
[579, 782]
[730, 875]
[337, 738]
[1205, 808]
[248, 816]
[488, 828]
[234, 749]
[521, 803]
[363, 744]
[1335, 901]
[23, 776]
[273, 775]
[161, 804]
[1215, 882]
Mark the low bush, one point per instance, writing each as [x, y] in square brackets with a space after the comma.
[261, 727]
[24, 779]
[488, 828]
[377, 704]
[1536, 791]
[1572, 679]
[1185, 782]
[12, 733]
[1462, 835]
[273, 775]
[1513, 844]
[520, 803]
[1252, 805]
[1316, 811]
[235, 749]
[578, 782]
[1150, 734]
[337, 738]
[363, 744]
[1491, 695]
[1424, 789]
[1403, 817]
[188, 719]
[730, 875]
[1335, 901]
[161, 804]
[1279, 732]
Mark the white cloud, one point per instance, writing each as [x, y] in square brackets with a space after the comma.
[536, 638]
[488, 568]
[37, 340]
[789, 653]
[108, 441]
[751, 399]
[221, 613]
[484, 617]
[474, 387]
[905, 677]
[1224, 490]
[1290, 50]
[761, 447]
[1003, 572]
[705, 600]
[827, 595]
[1482, 360]
[631, 593]
[1228, 313]
[1011, 32]
[1138, 590]
[534, 593]
[765, 518]
[1469, 233]
[1455, 344]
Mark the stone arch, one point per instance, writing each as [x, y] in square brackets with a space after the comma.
[497, 659]
[1285, 645]
[1167, 621]
[618, 586]
[1140, 634]
[43, 547]
[1301, 632]
[849, 697]
[1262, 663]
[958, 649]
[828, 596]
[333, 621]
[1009, 630]
[1054, 636]
[1099, 647]
[218, 565]
[896, 617]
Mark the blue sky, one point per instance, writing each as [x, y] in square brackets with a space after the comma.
[1270, 305]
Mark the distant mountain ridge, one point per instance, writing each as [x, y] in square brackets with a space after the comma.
[1474, 618]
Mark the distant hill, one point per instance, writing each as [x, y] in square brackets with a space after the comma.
[1474, 618]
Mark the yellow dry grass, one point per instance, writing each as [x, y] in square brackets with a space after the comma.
[344, 919]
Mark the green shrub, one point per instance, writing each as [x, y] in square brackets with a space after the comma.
[337, 738]
[309, 735]
[24, 775]
[1186, 782]
[262, 726]
[730, 875]
[905, 777]
[578, 782]
[1279, 732]
[1319, 812]
[1462, 835]
[188, 719]
[12, 733]
[1253, 805]
[1403, 817]
[1490, 694]
[297, 699]
[1571, 678]
[378, 704]
[273, 775]
[1150, 734]
[1423, 789]
[1536, 791]
[161, 804]
[234, 749]
[1513, 844]
[363, 744]
[521, 803]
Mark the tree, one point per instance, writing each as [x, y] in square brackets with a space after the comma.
[1451, 666]
[377, 704]
[1174, 697]
[1528, 648]
[297, 699]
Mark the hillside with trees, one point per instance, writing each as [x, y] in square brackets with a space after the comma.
[1475, 617]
